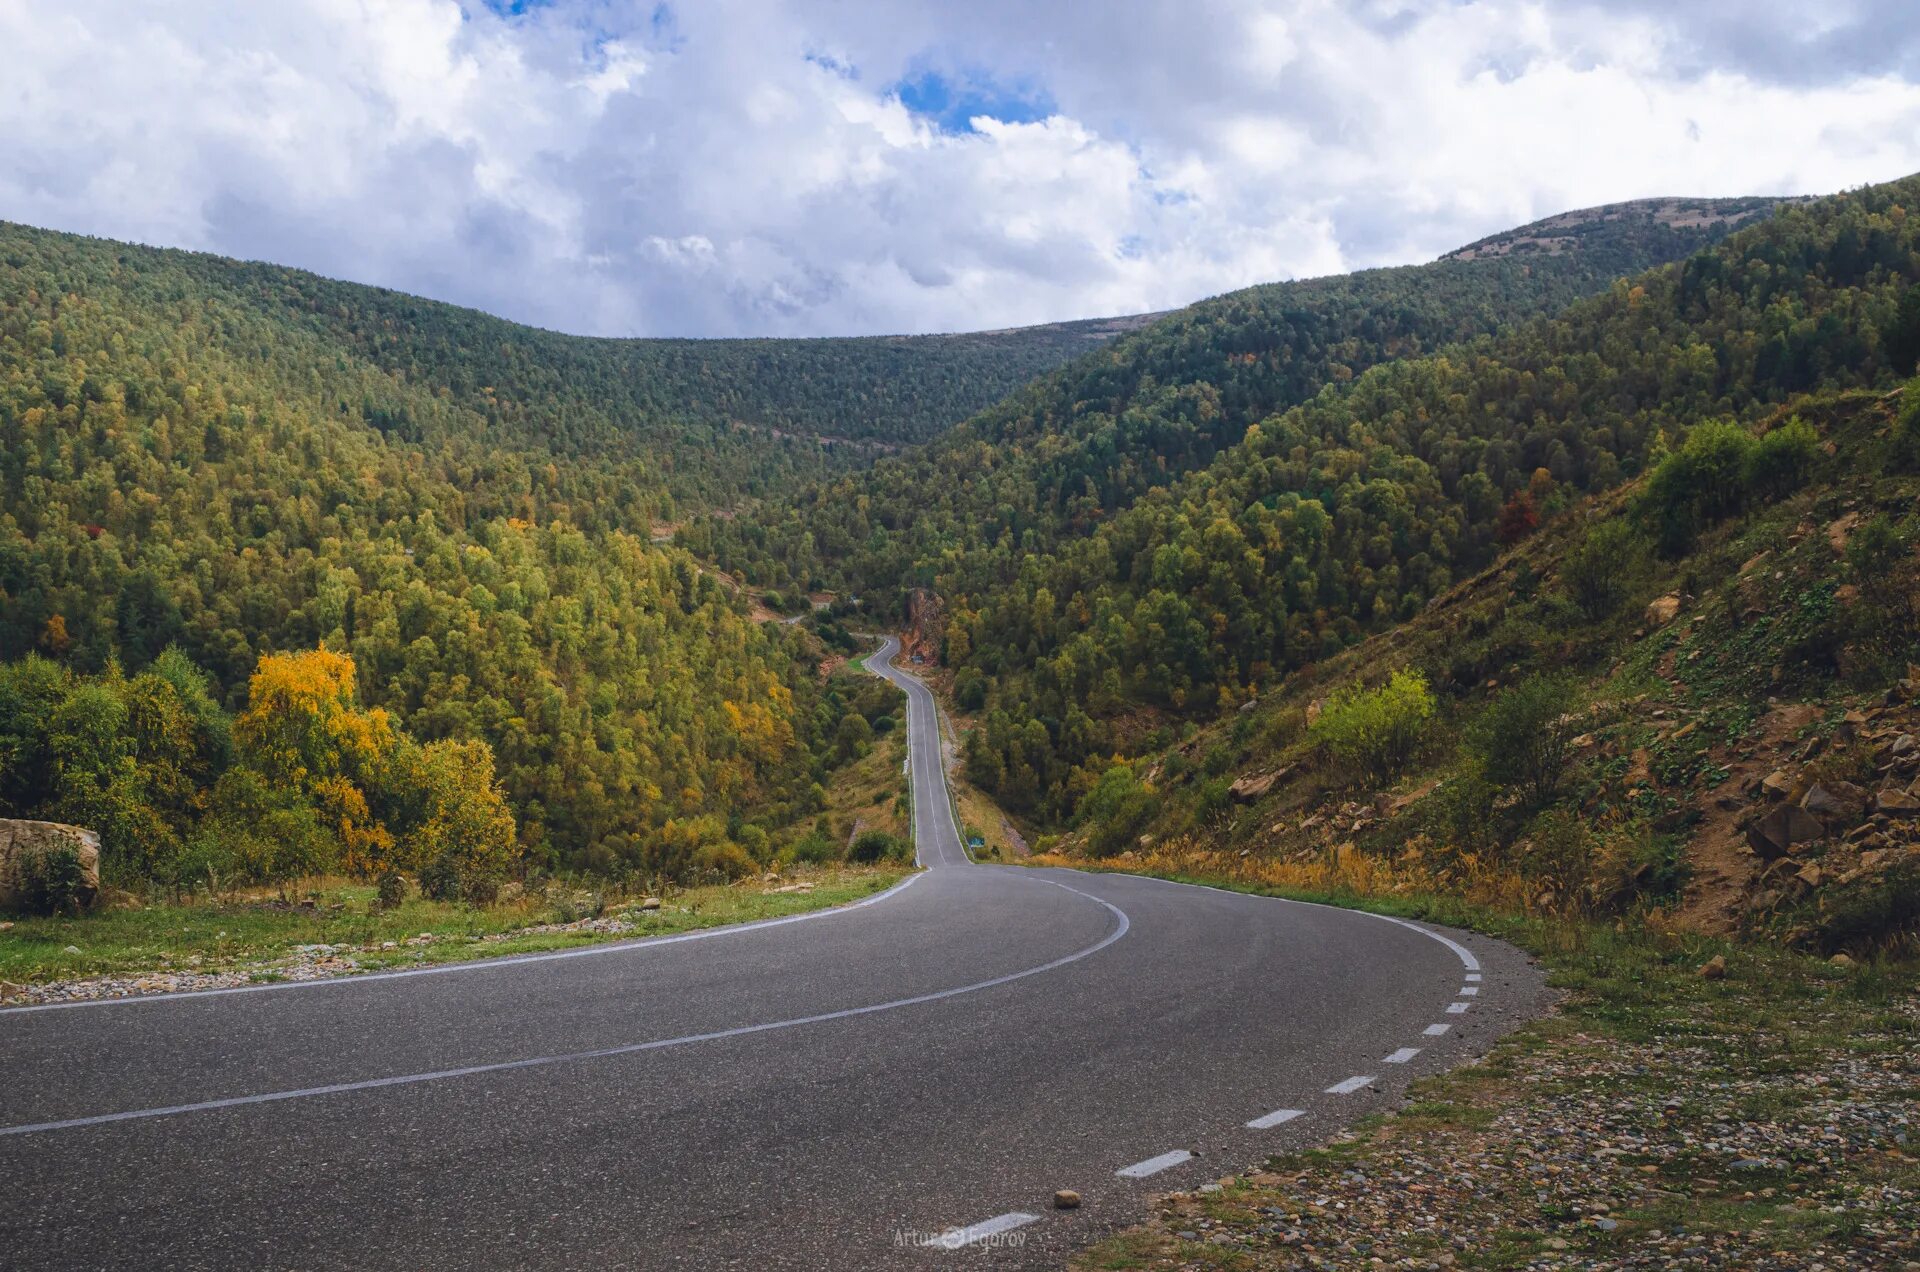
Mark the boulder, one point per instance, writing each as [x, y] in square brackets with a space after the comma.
[1897, 803]
[1255, 786]
[1661, 611]
[24, 843]
[1835, 803]
[1775, 834]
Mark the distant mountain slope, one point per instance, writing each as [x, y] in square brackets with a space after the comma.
[1063, 454]
[673, 401]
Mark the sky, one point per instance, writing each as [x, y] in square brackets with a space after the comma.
[851, 167]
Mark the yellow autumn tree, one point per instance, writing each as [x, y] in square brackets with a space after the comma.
[303, 728]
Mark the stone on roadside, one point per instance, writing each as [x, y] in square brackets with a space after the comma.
[1066, 1199]
[1714, 968]
[650, 903]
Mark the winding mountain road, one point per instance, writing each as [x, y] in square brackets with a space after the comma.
[902, 1082]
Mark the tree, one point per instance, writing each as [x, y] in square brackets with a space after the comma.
[1375, 731]
[465, 820]
[1518, 519]
[1902, 338]
[302, 728]
[853, 736]
[1604, 568]
[1524, 739]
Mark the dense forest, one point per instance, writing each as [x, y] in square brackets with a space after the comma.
[299, 576]
[704, 421]
[1063, 454]
[1352, 511]
[207, 466]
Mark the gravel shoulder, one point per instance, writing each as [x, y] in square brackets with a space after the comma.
[1759, 1115]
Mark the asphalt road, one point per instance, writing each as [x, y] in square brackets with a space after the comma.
[867, 1087]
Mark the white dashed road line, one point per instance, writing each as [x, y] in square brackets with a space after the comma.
[1473, 976]
[1468, 991]
[1154, 1165]
[1402, 1056]
[1275, 1118]
[1434, 1031]
[1454, 1009]
[1349, 1085]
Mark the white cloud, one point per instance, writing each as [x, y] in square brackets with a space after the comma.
[740, 167]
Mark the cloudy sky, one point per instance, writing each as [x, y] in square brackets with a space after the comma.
[770, 167]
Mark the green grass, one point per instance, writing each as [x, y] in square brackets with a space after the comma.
[209, 937]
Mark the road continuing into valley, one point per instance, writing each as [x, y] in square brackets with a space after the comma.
[900, 1082]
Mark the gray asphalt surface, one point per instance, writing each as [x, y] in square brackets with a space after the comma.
[823, 1093]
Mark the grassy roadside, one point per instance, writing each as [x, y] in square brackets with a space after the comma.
[1661, 1118]
[194, 945]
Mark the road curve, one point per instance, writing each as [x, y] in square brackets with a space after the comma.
[865, 1087]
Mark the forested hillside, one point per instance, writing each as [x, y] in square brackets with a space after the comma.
[1065, 453]
[237, 462]
[712, 419]
[1351, 512]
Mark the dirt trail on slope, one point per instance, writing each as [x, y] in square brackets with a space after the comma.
[1723, 865]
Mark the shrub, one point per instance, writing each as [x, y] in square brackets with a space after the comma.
[1698, 484]
[1718, 471]
[440, 878]
[970, 690]
[814, 849]
[1605, 569]
[874, 846]
[1375, 731]
[1524, 739]
[1780, 458]
[1560, 857]
[1114, 811]
[392, 889]
[1462, 809]
[53, 882]
[1906, 427]
[724, 862]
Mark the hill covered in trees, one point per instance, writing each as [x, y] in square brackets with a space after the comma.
[710, 419]
[1349, 513]
[1065, 453]
[207, 467]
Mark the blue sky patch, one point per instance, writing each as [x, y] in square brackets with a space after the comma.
[952, 101]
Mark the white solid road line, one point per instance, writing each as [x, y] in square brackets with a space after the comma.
[1434, 1031]
[1350, 1085]
[480, 965]
[1154, 1165]
[1275, 1118]
[974, 1233]
[631, 1048]
[1402, 1056]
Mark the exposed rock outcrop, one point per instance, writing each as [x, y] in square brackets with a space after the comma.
[25, 844]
